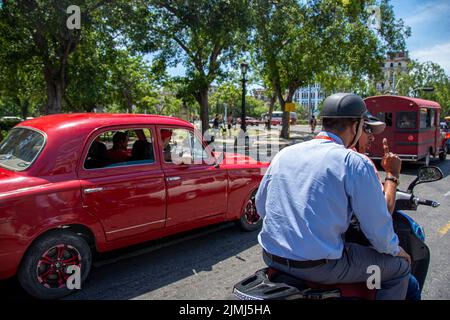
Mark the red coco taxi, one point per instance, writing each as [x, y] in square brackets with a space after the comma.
[74, 183]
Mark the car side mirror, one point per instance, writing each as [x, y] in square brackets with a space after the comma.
[426, 174]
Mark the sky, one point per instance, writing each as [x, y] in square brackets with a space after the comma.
[430, 29]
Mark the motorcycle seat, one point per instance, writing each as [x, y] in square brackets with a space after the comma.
[271, 284]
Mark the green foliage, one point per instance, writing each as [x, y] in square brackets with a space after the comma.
[202, 35]
[6, 125]
[297, 42]
[428, 74]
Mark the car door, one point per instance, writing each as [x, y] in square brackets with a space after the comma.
[195, 189]
[128, 197]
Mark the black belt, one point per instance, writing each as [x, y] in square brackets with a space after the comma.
[295, 263]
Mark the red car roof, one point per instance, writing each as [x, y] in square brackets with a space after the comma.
[419, 102]
[90, 121]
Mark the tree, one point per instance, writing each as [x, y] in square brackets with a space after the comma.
[423, 75]
[35, 29]
[295, 42]
[230, 94]
[201, 34]
[22, 86]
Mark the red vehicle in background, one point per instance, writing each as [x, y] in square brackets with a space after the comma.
[250, 121]
[412, 128]
[277, 118]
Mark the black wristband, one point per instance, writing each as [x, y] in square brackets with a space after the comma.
[391, 178]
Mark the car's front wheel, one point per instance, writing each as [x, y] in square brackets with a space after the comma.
[52, 262]
[250, 219]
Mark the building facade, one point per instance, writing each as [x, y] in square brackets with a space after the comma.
[394, 66]
[310, 97]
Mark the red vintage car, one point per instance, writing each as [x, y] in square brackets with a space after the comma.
[72, 184]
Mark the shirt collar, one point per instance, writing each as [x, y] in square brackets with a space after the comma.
[336, 138]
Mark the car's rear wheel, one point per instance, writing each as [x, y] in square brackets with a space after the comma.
[250, 219]
[46, 267]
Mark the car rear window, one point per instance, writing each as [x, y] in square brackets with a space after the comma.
[20, 148]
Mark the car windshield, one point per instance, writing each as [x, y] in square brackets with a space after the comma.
[20, 148]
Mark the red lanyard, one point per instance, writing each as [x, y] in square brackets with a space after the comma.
[325, 138]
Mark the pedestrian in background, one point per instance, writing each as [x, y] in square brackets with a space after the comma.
[313, 123]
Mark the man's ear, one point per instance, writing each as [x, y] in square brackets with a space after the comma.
[355, 127]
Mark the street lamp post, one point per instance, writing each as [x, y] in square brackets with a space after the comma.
[244, 69]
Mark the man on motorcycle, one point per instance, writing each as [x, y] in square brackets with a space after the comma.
[307, 198]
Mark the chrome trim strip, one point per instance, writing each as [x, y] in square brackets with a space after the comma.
[134, 227]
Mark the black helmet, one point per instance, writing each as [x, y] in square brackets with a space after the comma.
[343, 105]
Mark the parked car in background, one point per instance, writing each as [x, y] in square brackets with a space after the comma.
[412, 128]
[66, 193]
[249, 121]
[277, 118]
[11, 118]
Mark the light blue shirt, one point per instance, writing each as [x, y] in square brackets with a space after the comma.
[308, 196]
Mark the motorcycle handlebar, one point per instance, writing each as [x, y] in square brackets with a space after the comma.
[407, 201]
[430, 203]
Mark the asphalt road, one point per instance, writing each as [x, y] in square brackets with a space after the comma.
[205, 264]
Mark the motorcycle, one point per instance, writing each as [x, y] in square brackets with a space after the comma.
[271, 284]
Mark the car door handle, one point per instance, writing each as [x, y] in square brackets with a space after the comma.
[92, 190]
[173, 178]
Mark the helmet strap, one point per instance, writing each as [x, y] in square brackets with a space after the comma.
[355, 138]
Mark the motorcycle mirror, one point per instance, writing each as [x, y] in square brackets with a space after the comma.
[429, 174]
[426, 174]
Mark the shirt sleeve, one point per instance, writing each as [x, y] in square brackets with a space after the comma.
[369, 205]
[261, 194]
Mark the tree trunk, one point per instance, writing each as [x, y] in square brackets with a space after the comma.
[128, 100]
[202, 99]
[55, 80]
[272, 100]
[55, 93]
[285, 130]
[285, 121]
[24, 109]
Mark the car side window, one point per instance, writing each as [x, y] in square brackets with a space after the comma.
[118, 148]
[181, 146]
[406, 120]
[386, 117]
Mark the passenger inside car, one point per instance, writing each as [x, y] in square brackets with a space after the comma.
[97, 156]
[142, 151]
[119, 152]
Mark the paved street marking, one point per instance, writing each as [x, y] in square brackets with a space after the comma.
[447, 194]
[444, 229]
